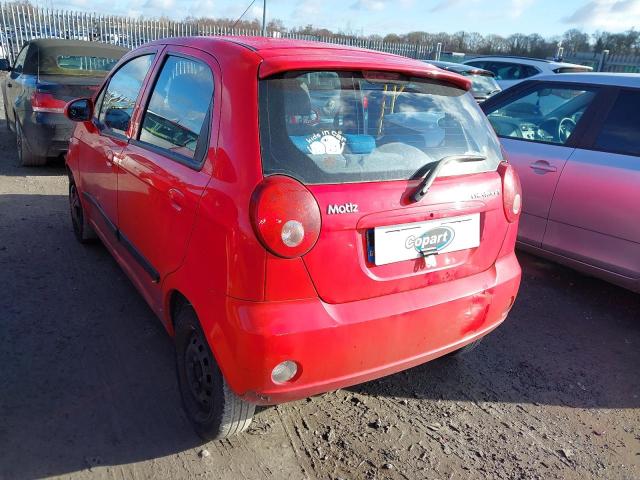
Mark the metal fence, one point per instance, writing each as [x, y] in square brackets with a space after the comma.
[21, 23]
[604, 62]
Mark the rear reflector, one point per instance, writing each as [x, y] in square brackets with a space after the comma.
[46, 103]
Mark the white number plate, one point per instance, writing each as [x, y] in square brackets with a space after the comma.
[413, 240]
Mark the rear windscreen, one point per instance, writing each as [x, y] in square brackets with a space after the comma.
[333, 127]
[73, 60]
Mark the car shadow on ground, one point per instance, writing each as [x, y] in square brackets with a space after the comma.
[88, 372]
[569, 340]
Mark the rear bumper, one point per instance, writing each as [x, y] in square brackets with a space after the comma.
[337, 345]
[47, 134]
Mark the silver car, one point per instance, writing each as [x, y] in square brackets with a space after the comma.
[575, 141]
[511, 70]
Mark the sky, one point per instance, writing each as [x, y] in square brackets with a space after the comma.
[502, 17]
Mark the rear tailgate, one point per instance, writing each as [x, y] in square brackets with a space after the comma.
[344, 264]
[361, 143]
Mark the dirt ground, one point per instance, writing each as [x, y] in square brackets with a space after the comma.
[88, 388]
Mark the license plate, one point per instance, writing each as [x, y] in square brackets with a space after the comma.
[408, 241]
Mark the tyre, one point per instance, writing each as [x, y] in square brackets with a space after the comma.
[25, 157]
[213, 409]
[461, 352]
[81, 228]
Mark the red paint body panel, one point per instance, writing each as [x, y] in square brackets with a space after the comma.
[343, 320]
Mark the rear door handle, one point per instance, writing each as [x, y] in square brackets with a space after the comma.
[176, 197]
[543, 166]
[109, 158]
[9, 85]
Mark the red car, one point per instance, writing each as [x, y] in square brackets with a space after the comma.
[302, 217]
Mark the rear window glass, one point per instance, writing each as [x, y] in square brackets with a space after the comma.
[332, 127]
[86, 63]
[90, 60]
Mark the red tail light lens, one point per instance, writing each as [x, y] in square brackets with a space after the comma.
[45, 102]
[511, 191]
[285, 216]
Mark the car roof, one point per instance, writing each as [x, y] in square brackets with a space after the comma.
[457, 67]
[45, 43]
[595, 78]
[277, 55]
[525, 60]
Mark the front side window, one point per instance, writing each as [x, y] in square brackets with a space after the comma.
[335, 127]
[179, 108]
[121, 94]
[621, 130]
[547, 114]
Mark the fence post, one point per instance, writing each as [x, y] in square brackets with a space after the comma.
[438, 51]
[602, 60]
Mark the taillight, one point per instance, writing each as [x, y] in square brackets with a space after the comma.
[511, 191]
[285, 216]
[45, 102]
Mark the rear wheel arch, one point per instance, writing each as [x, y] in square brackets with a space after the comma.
[176, 300]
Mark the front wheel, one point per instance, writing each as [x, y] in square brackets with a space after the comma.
[81, 228]
[213, 409]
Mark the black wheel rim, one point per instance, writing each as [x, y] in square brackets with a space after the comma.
[199, 375]
[76, 209]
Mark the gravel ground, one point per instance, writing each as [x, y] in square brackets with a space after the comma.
[88, 389]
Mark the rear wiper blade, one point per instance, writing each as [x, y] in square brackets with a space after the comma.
[433, 172]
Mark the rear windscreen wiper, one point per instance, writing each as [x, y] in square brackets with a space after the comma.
[433, 172]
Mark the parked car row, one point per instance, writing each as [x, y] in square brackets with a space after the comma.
[231, 178]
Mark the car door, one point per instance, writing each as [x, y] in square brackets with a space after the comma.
[528, 123]
[166, 167]
[595, 214]
[100, 148]
[12, 86]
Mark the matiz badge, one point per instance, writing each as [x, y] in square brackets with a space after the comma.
[344, 208]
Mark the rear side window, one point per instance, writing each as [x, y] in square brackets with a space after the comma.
[572, 70]
[178, 112]
[122, 92]
[621, 130]
[511, 71]
[333, 127]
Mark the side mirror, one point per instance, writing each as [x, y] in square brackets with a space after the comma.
[117, 119]
[80, 110]
[5, 66]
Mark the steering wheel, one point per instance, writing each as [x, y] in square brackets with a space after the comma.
[565, 129]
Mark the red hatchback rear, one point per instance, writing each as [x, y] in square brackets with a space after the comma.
[302, 217]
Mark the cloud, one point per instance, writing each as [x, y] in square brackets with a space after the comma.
[371, 5]
[307, 9]
[607, 14]
[518, 7]
[446, 5]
